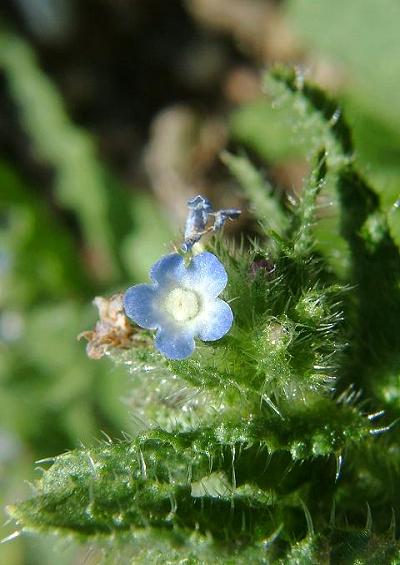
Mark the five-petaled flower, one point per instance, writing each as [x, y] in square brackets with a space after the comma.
[181, 303]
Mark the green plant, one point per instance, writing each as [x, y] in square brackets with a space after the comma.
[277, 443]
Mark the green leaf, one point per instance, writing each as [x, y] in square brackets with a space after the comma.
[306, 217]
[369, 64]
[184, 480]
[264, 203]
[320, 121]
[376, 274]
[262, 127]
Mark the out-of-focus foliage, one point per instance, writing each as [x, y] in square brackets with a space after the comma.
[79, 177]
[362, 54]
[52, 397]
[367, 53]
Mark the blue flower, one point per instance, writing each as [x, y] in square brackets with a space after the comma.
[182, 303]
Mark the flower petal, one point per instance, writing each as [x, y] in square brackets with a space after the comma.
[216, 321]
[207, 274]
[174, 343]
[140, 305]
[168, 269]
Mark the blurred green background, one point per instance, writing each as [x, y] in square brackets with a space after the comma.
[112, 114]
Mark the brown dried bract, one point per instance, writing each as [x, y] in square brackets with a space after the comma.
[113, 330]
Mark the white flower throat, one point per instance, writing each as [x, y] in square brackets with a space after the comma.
[182, 304]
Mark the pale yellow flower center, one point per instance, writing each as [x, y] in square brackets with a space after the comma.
[182, 304]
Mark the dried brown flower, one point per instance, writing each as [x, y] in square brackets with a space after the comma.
[113, 330]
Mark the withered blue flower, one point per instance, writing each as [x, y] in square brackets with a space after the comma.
[196, 222]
